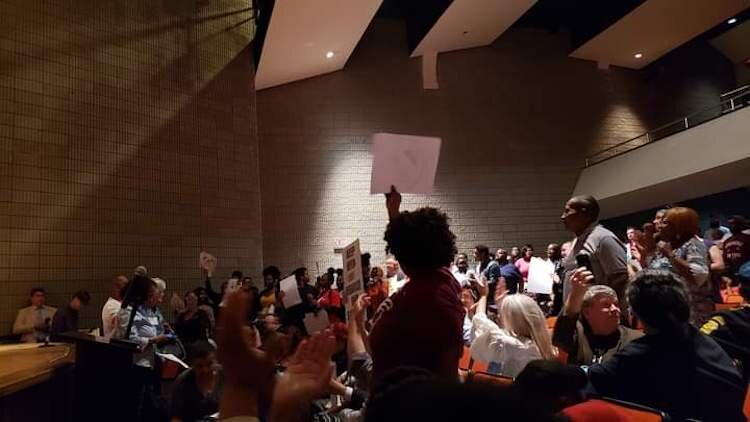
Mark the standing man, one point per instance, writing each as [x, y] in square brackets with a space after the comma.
[487, 268]
[33, 321]
[112, 306]
[508, 271]
[66, 319]
[605, 251]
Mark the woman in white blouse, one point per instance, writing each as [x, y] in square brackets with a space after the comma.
[523, 338]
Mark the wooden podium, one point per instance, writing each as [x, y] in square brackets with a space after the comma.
[106, 385]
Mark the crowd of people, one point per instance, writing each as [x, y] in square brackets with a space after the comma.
[635, 321]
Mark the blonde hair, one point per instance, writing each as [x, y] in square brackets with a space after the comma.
[523, 318]
[161, 285]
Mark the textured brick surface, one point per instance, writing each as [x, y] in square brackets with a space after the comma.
[516, 118]
[127, 137]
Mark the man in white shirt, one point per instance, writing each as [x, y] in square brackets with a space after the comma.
[112, 306]
[461, 270]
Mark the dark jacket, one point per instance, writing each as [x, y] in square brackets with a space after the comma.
[731, 329]
[687, 377]
[573, 336]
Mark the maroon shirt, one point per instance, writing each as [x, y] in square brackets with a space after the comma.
[419, 326]
[736, 252]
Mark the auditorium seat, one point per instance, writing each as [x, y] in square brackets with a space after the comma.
[613, 410]
[746, 407]
[465, 361]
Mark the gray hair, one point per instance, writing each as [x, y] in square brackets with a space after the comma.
[161, 285]
[597, 290]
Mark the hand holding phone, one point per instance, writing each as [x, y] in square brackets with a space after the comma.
[583, 260]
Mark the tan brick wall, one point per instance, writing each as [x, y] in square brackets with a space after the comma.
[516, 118]
[127, 137]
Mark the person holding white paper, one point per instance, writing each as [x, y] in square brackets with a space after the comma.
[295, 313]
[420, 325]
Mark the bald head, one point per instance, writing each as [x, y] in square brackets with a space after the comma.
[580, 211]
[587, 205]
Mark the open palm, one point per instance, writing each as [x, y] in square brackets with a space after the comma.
[308, 371]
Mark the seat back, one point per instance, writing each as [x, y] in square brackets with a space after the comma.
[635, 412]
[487, 378]
[465, 361]
[746, 407]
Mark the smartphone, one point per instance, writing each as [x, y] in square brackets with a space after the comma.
[583, 260]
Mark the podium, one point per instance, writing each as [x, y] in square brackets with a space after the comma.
[106, 384]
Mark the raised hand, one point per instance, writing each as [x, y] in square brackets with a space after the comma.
[393, 202]
[247, 370]
[307, 377]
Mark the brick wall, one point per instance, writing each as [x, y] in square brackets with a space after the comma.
[127, 137]
[516, 118]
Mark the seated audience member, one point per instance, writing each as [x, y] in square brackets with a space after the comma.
[421, 324]
[731, 328]
[680, 251]
[330, 299]
[553, 385]
[196, 392]
[112, 306]
[411, 394]
[524, 337]
[33, 322]
[461, 270]
[269, 296]
[192, 325]
[588, 328]
[605, 251]
[673, 368]
[508, 272]
[736, 247]
[469, 302]
[66, 319]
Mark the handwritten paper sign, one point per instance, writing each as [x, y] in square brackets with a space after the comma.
[291, 294]
[353, 283]
[407, 162]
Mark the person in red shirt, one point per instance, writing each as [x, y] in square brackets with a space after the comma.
[330, 299]
[736, 247]
[420, 325]
[377, 289]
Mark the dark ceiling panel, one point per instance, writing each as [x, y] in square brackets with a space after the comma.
[582, 18]
[420, 16]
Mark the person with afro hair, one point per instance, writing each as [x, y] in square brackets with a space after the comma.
[420, 325]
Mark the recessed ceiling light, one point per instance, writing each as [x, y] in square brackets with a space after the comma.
[638, 55]
[330, 54]
[732, 21]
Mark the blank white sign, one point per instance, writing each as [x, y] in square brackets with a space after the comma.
[407, 162]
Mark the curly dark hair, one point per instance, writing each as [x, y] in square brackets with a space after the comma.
[660, 299]
[421, 239]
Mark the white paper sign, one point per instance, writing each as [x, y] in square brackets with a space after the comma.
[540, 276]
[353, 283]
[316, 323]
[173, 358]
[407, 162]
[291, 294]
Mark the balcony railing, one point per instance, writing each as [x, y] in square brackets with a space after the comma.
[729, 102]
